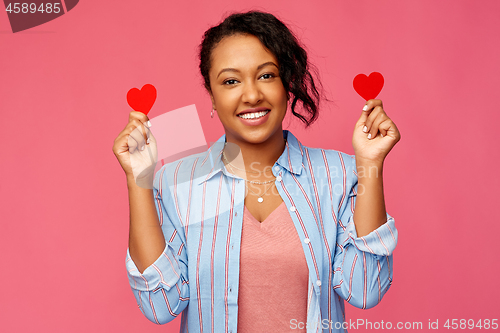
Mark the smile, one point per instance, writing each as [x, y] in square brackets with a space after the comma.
[253, 115]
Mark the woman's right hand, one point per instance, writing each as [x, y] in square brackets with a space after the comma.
[137, 164]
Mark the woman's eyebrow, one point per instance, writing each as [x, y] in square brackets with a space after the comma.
[258, 67]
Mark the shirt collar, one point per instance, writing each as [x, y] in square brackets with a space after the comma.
[290, 159]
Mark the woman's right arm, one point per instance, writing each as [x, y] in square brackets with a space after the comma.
[146, 241]
[156, 261]
[157, 274]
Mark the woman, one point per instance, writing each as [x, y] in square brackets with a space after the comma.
[260, 233]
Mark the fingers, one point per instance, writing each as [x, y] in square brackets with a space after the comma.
[385, 126]
[135, 137]
[367, 109]
[144, 120]
[390, 128]
[376, 117]
[139, 135]
[138, 115]
[373, 116]
[373, 103]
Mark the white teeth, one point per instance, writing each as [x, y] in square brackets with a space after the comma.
[253, 115]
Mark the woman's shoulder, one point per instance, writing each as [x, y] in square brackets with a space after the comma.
[317, 152]
[319, 159]
[330, 156]
[183, 161]
[190, 166]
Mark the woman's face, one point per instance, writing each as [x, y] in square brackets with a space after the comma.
[244, 75]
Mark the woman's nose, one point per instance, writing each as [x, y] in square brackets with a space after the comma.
[251, 93]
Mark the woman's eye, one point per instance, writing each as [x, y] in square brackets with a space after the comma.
[231, 82]
[269, 75]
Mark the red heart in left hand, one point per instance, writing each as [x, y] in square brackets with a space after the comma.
[142, 100]
[368, 87]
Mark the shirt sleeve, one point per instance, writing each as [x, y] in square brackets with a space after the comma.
[162, 290]
[362, 265]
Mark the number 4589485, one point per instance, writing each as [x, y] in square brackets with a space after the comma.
[463, 324]
[24, 7]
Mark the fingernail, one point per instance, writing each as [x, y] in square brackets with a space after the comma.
[148, 141]
[369, 135]
[142, 148]
[365, 107]
[365, 129]
[149, 123]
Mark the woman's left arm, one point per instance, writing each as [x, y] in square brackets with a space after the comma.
[374, 136]
[366, 234]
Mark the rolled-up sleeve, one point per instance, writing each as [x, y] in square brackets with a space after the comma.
[381, 241]
[162, 290]
[362, 265]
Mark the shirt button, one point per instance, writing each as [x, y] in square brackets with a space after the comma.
[292, 208]
[318, 282]
[277, 168]
[306, 240]
[278, 178]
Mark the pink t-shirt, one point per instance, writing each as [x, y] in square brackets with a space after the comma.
[272, 293]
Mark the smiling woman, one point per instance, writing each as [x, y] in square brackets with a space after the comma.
[247, 92]
[253, 235]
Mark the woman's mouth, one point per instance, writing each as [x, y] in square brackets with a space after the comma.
[254, 118]
[253, 115]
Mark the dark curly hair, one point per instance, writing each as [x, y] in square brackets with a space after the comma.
[294, 68]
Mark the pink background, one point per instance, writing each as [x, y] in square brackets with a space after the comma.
[64, 205]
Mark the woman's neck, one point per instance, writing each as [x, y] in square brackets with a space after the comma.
[256, 159]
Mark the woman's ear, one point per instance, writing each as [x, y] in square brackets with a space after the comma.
[212, 99]
[213, 102]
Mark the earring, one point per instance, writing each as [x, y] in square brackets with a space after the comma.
[212, 113]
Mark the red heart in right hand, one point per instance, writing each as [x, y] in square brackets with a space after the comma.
[142, 100]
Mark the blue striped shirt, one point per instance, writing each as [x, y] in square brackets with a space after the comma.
[200, 207]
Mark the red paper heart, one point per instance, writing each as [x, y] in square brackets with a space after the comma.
[368, 87]
[142, 100]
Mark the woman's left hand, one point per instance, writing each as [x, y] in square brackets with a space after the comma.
[380, 135]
